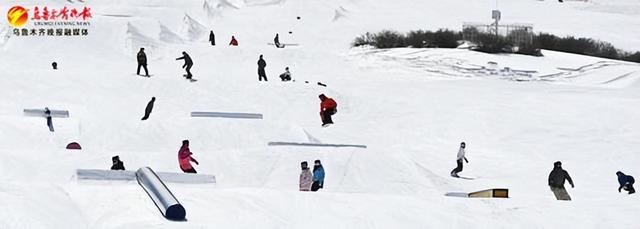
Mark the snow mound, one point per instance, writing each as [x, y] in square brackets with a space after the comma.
[339, 13]
[136, 39]
[169, 36]
[195, 30]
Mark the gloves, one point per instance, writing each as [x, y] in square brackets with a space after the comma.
[572, 186]
[620, 189]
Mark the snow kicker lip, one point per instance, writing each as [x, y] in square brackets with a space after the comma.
[314, 144]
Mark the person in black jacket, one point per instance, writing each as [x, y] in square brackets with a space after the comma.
[142, 62]
[188, 63]
[212, 38]
[149, 108]
[47, 115]
[557, 178]
[261, 73]
[117, 163]
[626, 183]
[276, 41]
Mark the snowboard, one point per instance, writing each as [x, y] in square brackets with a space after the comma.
[461, 177]
[327, 125]
[192, 79]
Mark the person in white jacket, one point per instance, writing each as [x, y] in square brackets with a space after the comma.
[461, 156]
[306, 178]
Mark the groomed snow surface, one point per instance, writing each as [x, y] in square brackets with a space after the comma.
[410, 107]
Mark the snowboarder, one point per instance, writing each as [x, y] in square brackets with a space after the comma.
[233, 42]
[286, 76]
[47, 114]
[142, 62]
[276, 41]
[459, 160]
[626, 183]
[149, 108]
[328, 107]
[117, 163]
[212, 38]
[261, 73]
[556, 181]
[185, 159]
[306, 178]
[188, 63]
[318, 176]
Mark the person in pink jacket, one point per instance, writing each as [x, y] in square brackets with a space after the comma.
[185, 159]
[306, 178]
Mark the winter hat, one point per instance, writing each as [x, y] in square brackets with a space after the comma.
[619, 173]
[557, 164]
[303, 164]
[317, 162]
[115, 158]
[322, 97]
[184, 142]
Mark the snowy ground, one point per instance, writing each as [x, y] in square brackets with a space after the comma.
[410, 107]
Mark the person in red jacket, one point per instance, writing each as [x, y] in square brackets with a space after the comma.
[233, 42]
[328, 107]
[185, 159]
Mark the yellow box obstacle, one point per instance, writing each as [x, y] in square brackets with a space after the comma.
[491, 193]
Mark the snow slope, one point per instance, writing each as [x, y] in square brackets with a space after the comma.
[408, 106]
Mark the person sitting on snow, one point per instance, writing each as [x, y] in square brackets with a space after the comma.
[185, 159]
[233, 42]
[286, 76]
[117, 163]
[626, 183]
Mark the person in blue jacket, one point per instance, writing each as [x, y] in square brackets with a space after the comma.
[626, 182]
[318, 176]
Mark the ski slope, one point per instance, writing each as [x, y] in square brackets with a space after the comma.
[410, 107]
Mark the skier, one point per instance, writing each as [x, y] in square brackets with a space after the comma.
[212, 38]
[626, 183]
[318, 176]
[185, 159]
[188, 63]
[276, 41]
[328, 107]
[142, 62]
[54, 65]
[306, 178]
[117, 163]
[286, 76]
[149, 108]
[233, 42]
[461, 156]
[261, 73]
[556, 181]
